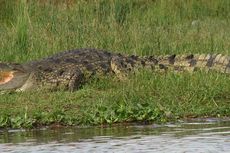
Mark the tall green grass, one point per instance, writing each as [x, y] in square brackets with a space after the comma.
[34, 29]
[38, 28]
[22, 28]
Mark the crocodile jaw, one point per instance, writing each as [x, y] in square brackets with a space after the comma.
[13, 80]
[28, 84]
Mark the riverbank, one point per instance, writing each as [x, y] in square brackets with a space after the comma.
[32, 30]
[145, 97]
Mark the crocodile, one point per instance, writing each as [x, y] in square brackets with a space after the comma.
[71, 69]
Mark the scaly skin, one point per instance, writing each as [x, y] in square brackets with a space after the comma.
[71, 69]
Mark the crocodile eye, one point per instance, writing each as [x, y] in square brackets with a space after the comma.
[3, 65]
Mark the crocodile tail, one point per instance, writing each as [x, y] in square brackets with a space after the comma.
[193, 62]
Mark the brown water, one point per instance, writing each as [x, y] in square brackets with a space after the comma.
[210, 136]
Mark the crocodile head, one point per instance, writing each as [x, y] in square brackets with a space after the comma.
[13, 77]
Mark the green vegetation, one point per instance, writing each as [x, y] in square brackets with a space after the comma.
[32, 30]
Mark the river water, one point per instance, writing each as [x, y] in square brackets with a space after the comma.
[210, 136]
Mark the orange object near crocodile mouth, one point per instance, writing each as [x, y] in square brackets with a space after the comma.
[6, 77]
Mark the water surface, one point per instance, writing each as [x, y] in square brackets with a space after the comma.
[195, 136]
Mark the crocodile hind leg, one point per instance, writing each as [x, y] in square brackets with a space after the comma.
[119, 67]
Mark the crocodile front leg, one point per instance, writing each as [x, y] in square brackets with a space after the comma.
[77, 79]
[70, 78]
